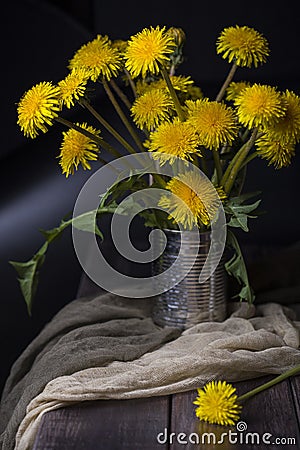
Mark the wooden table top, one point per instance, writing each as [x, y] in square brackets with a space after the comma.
[269, 420]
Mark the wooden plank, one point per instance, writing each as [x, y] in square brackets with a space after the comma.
[271, 411]
[295, 388]
[105, 425]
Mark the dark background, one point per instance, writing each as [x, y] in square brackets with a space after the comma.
[38, 38]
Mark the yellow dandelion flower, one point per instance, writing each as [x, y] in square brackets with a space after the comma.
[37, 108]
[179, 83]
[147, 50]
[217, 403]
[151, 108]
[214, 122]
[195, 198]
[259, 106]
[278, 151]
[194, 93]
[243, 45]
[98, 57]
[193, 106]
[76, 149]
[120, 45]
[142, 86]
[221, 193]
[288, 126]
[176, 139]
[235, 88]
[73, 86]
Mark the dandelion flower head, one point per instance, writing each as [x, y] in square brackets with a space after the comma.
[76, 148]
[73, 86]
[148, 50]
[151, 108]
[235, 88]
[243, 45]
[99, 58]
[37, 108]
[195, 201]
[259, 106]
[179, 83]
[173, 140]
[217, 403]
[214, 122]
[277, 150]
[288, 126]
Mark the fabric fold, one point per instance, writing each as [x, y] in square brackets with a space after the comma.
[107, 347]
[233, 350]
[88, 332]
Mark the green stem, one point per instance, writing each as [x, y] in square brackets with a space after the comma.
[109, 128]
[283, 376]
[120, 93]
[195, 160]
[218, 165]
[123, 116]
[172, 70]
[245, 135]
[204, 165]
[159, 180]
[226, 82]
[250, 158]
[131, 82]
[241, 157]
[173, 94]
[219, 97]
[235, 165]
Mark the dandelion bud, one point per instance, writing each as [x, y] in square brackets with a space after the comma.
[178, 35]
[176, 57]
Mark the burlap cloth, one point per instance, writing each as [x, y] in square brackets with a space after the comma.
[107, 347]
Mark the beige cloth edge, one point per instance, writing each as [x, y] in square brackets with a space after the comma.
[235, 350]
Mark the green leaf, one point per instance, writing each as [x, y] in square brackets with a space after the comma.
[245, 209]
[28, 275]
[236, 267]
[239, 213]
[29, 271]
[87, 222]
[115, 192]
[54, 233]
[242, 198]
[239, 221]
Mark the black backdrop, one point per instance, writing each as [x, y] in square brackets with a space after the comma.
[37, 39]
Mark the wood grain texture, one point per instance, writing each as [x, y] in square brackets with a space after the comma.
[169, 422]
[295, 389]
[105, 425]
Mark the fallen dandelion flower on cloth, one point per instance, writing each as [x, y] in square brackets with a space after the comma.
[217, 402]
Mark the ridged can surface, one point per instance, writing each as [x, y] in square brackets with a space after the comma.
[189, 302]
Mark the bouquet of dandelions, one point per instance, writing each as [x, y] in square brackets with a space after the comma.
[167, 115]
